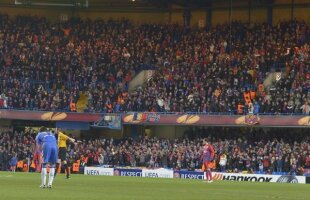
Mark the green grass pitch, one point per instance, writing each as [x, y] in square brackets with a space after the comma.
[15, 186]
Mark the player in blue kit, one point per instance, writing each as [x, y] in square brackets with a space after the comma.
[47, 142]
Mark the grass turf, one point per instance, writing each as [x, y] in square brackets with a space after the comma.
[26, 186]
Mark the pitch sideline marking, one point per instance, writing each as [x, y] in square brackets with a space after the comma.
[6, 176]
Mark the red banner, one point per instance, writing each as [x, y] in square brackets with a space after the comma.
[49, 116]
[164, 119]
[222, 120]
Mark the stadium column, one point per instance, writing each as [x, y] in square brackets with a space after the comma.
[249, 10]
[269, 5]
[230, 25]
[187, 17]
[209, 16]
[292, 9]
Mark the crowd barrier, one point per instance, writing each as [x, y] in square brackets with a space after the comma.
[148, 118]
[168, 173]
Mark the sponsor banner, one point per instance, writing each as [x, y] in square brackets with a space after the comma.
[227, 120]
[98, 171]
[161, 119]
[307, 171]
[157, 173]
[142, 117]
[188, 175]
[259, 178]
[128, 172]
[166, 173]
[49, 116]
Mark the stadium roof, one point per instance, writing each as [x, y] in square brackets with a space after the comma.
[166, 3]
[152, 5]
[106, 4]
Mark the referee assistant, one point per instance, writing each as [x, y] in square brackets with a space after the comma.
[62, 152]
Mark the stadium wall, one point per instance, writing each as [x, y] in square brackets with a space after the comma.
[133, 131]
[282, 10]
[102, 133]
[168, 132]
[302, 14]
[258, 15]
[137, 17]
[75, 133]
[5, 124]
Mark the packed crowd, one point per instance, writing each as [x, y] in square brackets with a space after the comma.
[47, 66]
[14, 146]
[211, 72]
[234, 151]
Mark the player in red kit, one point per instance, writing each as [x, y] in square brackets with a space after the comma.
[37, 158]
[208, 156]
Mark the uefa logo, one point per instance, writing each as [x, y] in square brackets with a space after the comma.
[53, 116]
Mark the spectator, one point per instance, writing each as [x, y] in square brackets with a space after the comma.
[308, 161]
[279, 164]
[305, 109]
[1, 158]
[5, 162]
[13, 162]
[223, 162]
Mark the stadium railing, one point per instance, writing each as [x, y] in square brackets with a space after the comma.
[161, 113]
